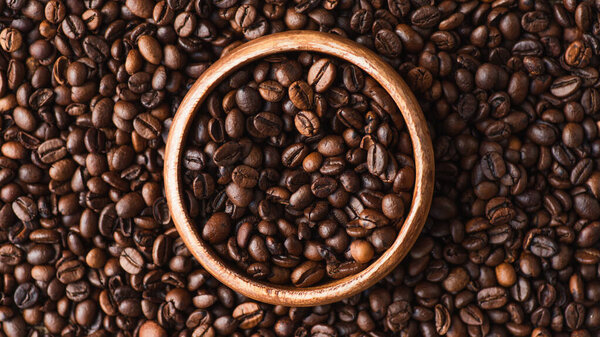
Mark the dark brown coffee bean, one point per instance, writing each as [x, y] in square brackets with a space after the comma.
[95, 47]
[73, 27]
[294, 155]
[52, 150]
[70, 271]
[425, 17]
[217, 228]
[203, 186]
[388, 43]
[25, 209]
[227, 154]
[492, 298]
[271, 91]
[307, 274]
[249, 315]
[129, 205]
[26, 295]
[392, 206]
[267, 124]
[323, 187]
[443, 319]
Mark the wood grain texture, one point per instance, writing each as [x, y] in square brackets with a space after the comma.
[389, 79]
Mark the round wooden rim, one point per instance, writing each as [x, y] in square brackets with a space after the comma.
[389, 79]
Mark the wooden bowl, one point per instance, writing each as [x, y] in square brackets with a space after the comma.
[388, 78]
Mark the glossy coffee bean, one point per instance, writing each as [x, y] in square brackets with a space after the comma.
[88, 91]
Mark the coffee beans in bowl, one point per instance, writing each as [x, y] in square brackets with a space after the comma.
[298, 169]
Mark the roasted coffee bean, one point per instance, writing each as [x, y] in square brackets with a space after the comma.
[377, 159]
[301, 95]
[307, 274]
[26, 295]
[216, 228]
[267, 124]
[227, 154]
[147, 126]
[492, 298]
[131, 261]
[52, 150]
[322, 74]
[248, 314]
[10, 39]
[271, 91]
[307, 123]
[388, 43]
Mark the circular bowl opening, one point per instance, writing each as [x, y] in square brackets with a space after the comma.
[390, 80]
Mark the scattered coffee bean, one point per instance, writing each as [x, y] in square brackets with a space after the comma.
[88, 90]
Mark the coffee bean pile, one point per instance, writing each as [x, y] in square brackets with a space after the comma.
[87, 93]
[312, 168]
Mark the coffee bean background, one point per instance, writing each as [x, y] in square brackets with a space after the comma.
[87, 93]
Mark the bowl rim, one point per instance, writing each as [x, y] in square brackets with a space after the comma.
[389, 79]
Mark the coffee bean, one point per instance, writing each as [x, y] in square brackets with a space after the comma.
[217, 228]
[24, 208]
[10, 40]
[131, 261]
[249, 315]
[442, 319]
[307, 123]
[238, 195]
[388, 43]
[543, 246]
[307, 274]
[323, 187]
[361, 21]
[70, 271]
[271, 91]
[321, 75]
[377, 159]
[301, 95]
[26, 295]
[565, 86]
[510, 95]
[350, 117]
[227, 154]
[147, 126]
[245, 176]
[247, 99]
[392, 206]
[96, 48]
[129, 205]
[425, 17]
[73, 27]
[288, 72]
[152, 329]
[150, 49]
[534, 21]
[491, 298]
[267, 123]
[294, 155]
